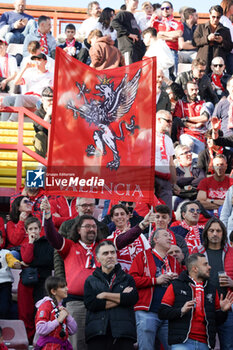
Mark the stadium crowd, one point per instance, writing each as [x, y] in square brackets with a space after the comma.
[126, 273]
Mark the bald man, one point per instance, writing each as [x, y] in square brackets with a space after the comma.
[15, 25]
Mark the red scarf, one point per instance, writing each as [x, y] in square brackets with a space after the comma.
[230, 113]
[166, 267]
[5, 72]
[192, 238]
[211, 152]
[163, 147]
[216, 79]
[198, 290]
[44, 43]
[70, 43]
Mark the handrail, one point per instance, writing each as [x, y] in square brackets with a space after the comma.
[20, 147]
[73, 14]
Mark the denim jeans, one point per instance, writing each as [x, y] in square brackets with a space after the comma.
[225, 333]
[190, 344]
[17, 37]
[148, 327]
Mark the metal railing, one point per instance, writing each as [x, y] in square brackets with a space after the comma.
[20, 147]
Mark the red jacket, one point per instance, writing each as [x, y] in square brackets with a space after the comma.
[61, 206]
[143, 270]
[16, 234]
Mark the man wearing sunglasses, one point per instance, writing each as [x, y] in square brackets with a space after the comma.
[218, 77]
[197, 74]
[165, 172]
[169, 29]
[212, 38]
[189, 228]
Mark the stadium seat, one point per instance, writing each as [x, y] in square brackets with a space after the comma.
[14, 334]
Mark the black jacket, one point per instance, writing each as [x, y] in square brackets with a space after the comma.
[206, 90]
[121, 319]
[179, 327]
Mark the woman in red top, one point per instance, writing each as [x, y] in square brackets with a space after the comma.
[20, 210]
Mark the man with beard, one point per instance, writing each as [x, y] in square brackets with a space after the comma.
[80, 261]
[192, 306]
[194, 115]
[212, 190]
[220, 257]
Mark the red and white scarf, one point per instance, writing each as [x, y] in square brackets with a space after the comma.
[166, 267]
[192, 238]
[5, 71]
[70, 43]
[230, 113]
[44, 43]
[198, 290]
[216, 79]
[163, 147]
[90, 262]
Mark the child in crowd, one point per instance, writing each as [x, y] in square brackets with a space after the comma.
[7, 261]
[37, 254]
[53, 322]
[73, 47]
[143, 18]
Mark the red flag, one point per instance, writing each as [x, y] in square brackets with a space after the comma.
[102, 141]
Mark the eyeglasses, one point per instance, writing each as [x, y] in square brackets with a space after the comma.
[218, 65]
[192, 210]
[129, 203]
[85, 205]
[185, 153]
[201, 70]
[167, 120]
[87, 227]
[218, 17]
[167, 8]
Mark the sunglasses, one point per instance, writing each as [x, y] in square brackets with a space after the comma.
[192, 210]
[167, 8]
[218, 65]
[167, 120]
[129, 203]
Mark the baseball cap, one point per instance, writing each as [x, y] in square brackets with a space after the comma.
[47, 92]
[40, 56]
[3, 41]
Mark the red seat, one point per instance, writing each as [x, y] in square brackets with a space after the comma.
[14, 334]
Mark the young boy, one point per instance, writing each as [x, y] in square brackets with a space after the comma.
[7, 261]
[72, 46]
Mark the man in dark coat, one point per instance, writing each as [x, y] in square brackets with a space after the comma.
[192, 306]
[109, 296]
[212, 38]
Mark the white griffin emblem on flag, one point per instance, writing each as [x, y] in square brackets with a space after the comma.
[115, 104]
